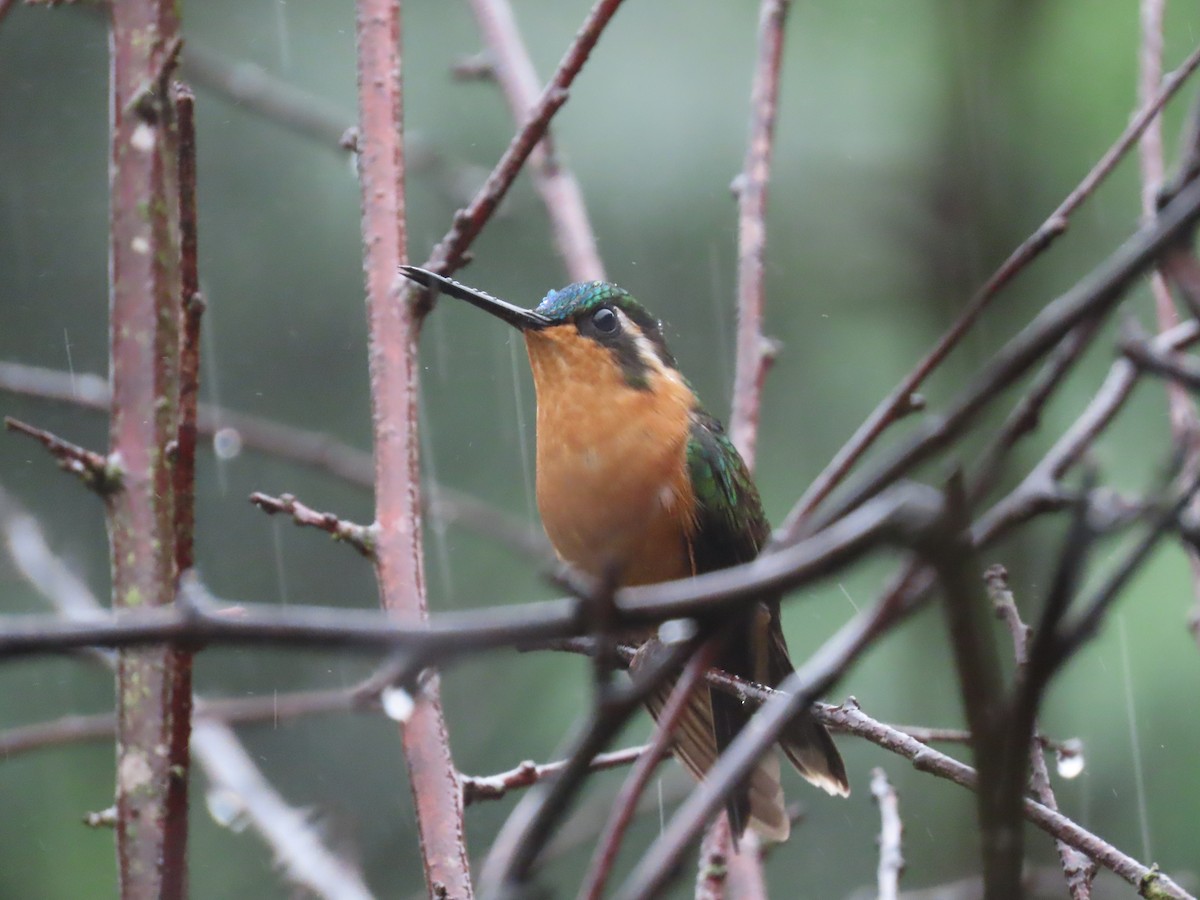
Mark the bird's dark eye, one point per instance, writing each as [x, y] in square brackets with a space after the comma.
[605, 321]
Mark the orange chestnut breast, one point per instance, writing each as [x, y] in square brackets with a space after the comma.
[612, 475]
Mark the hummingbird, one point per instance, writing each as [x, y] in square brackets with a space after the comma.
[635, 478]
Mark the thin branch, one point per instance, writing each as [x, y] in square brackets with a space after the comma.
[1091, 298]
[296, 445]
[1077, 868]
[667, 721]
[298, 852]
[896, 403]
[447, 256]
[754, 352]
[511, 862]
[273, 709]
[493, 787]
[850, 718]
[891, 832]
[1040, 486]
[984, 698]
[254, 88]
[393, 326]
[1145, 353]
[307, 862]
[509, 63]
[360, 537]
[181, 449]
[97, 472]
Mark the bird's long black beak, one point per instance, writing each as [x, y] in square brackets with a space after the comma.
[521, 319]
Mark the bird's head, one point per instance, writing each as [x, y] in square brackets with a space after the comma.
[592, 332]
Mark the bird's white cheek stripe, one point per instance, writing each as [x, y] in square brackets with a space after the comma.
[646, 350]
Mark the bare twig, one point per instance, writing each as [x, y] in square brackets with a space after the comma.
[898, 517]
[1056, 224]
[242, 786]
[252, 87]
[623, 808]
[360, 537]
[850, 718]
[297, 445]
[754, 352]
[1077, 868]
[182, 450]
[1089, 299]
[1145, 353]
[527, 774]
[93, 469]
[273, 709]
[795, 696]
[984, 699]
[891, 831]
[299, 850]
[393, 327]
[509, 63]
[512, 859]
[447, 256]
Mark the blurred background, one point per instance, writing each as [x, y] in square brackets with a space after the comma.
[918, 144]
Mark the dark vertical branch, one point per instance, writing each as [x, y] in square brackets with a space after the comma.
[984, 699]
[754, 352]
[560, 191]
[394, 326]
[184, 458]
[144, 295]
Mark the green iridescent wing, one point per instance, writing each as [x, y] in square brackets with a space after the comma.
[730, 525]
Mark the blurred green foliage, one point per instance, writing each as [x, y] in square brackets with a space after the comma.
[918, 143]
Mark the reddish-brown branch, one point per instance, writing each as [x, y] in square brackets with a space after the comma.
[447, 256]
[98, 473]
[360, 537]
[896, 403]
[754, 352]
[510, 65]
[394, 325]
[145, 290]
